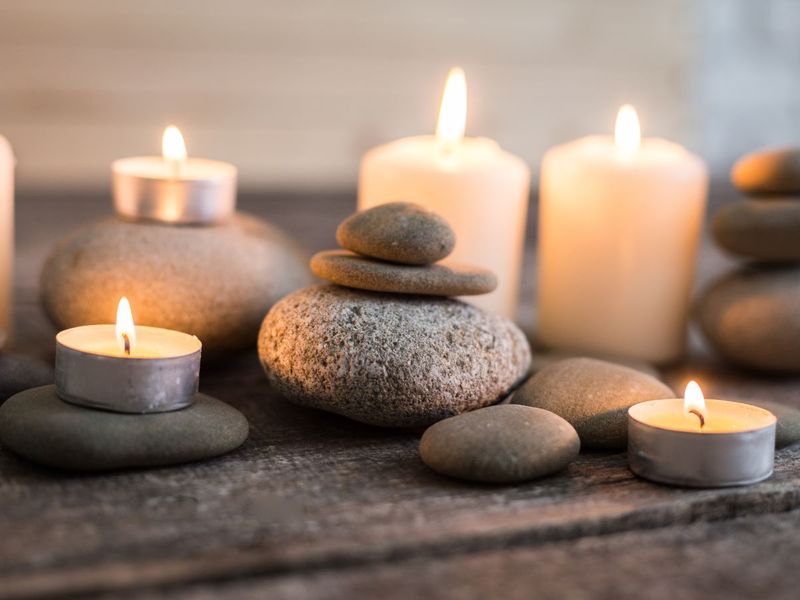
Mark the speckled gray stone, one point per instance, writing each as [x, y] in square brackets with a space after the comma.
[214, 282]
[767, 231]
[389, 359]
[19, 372]
[545, 358]
[787, 431]
[351, 270]
[593, 395]
[768, 171]
[500, 444]
[39, 426]
[399, 232]
[752, 318]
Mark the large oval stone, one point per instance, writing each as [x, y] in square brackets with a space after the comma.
[39, 426]
[768, 171]
[214, 282]
[387, 359]
[593, 396]
[500, 444]
[752, 318]
[768, 231]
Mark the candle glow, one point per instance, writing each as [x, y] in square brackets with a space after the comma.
[694, 402]
[173, 147]
[453, 110]
[627, 133]
[125, 328]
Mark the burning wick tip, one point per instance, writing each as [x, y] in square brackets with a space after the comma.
[127, 341]
[700, 416]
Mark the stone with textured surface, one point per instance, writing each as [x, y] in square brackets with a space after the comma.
[500, 444]
[787, 431]
[351, 270]
[767, 231]
[214, 282]
[39, 426]
[19, 372]
[768, 171]
[400, 232]
[593, 395]
[387, 359]
[752, 318]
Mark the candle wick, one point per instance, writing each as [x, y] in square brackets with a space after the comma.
[700, 416]
[127, 341]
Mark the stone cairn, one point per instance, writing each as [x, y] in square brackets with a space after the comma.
[385, 343]
[751, 316]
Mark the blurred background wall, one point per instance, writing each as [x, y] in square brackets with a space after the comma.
[294, 92]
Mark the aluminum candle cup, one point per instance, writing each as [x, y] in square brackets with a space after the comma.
[161, 373]
[735, 446]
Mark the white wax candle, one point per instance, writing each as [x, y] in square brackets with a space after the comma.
[619, 225]
[6, 238]
[480, 189]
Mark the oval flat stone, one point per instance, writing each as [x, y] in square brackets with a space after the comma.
[593, 396]
[354, 271]
[389, 359]
[768, 171]
[500, 444]
[39, 426]
[752, 318]
[400, 232]
[768, 231]
[787, 431]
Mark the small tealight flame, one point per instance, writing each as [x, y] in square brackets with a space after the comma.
[453, 110]
[173, 147]
[694, 403]
[126, 331]
[627, 134]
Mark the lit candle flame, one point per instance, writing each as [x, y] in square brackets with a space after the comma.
[694, 403]
[173, 147]
[125, 329]
[453, 110]
[627, 133]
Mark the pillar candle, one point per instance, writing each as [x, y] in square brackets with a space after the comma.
[6, 237]
[619, 224]
[480, 189]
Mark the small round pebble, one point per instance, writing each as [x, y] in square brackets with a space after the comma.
[768, 171]
[19, 372]
[400, 232]
[39, 426]
[767, 231]
[355, 271]
[500, 444]
[787, 431]
[752, 318]
[593, 396]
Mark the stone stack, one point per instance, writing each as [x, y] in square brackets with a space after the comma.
[751, 316]
[385, 343]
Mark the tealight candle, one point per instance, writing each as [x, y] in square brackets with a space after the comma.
[696, 442]
[126, 367]
[174, 188]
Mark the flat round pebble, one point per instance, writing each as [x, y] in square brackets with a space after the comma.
[39, 426]
[593, 396]
[355, 271]
[752, 318]
[400, 232]
[388, 359]
[19, 372]
[787, 431]
[544, 358]
[500, 444]
[767, 231]
[768, 171]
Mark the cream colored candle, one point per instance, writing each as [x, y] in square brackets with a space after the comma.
[6, 238]
[619, 225]
[480, 189]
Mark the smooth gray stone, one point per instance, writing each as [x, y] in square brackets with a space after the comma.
[766, 231]
[787, 431]
[768, 171]
[400, 232]
[593, 396]
[19, 372]
[751, 317]
[352, 270]
[544, 358]
[500, 444]
[389, 359]
[39, 426]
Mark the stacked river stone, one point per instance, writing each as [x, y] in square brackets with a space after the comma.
[385, 343]
[752, 315]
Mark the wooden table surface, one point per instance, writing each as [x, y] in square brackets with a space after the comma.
[315, 506]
